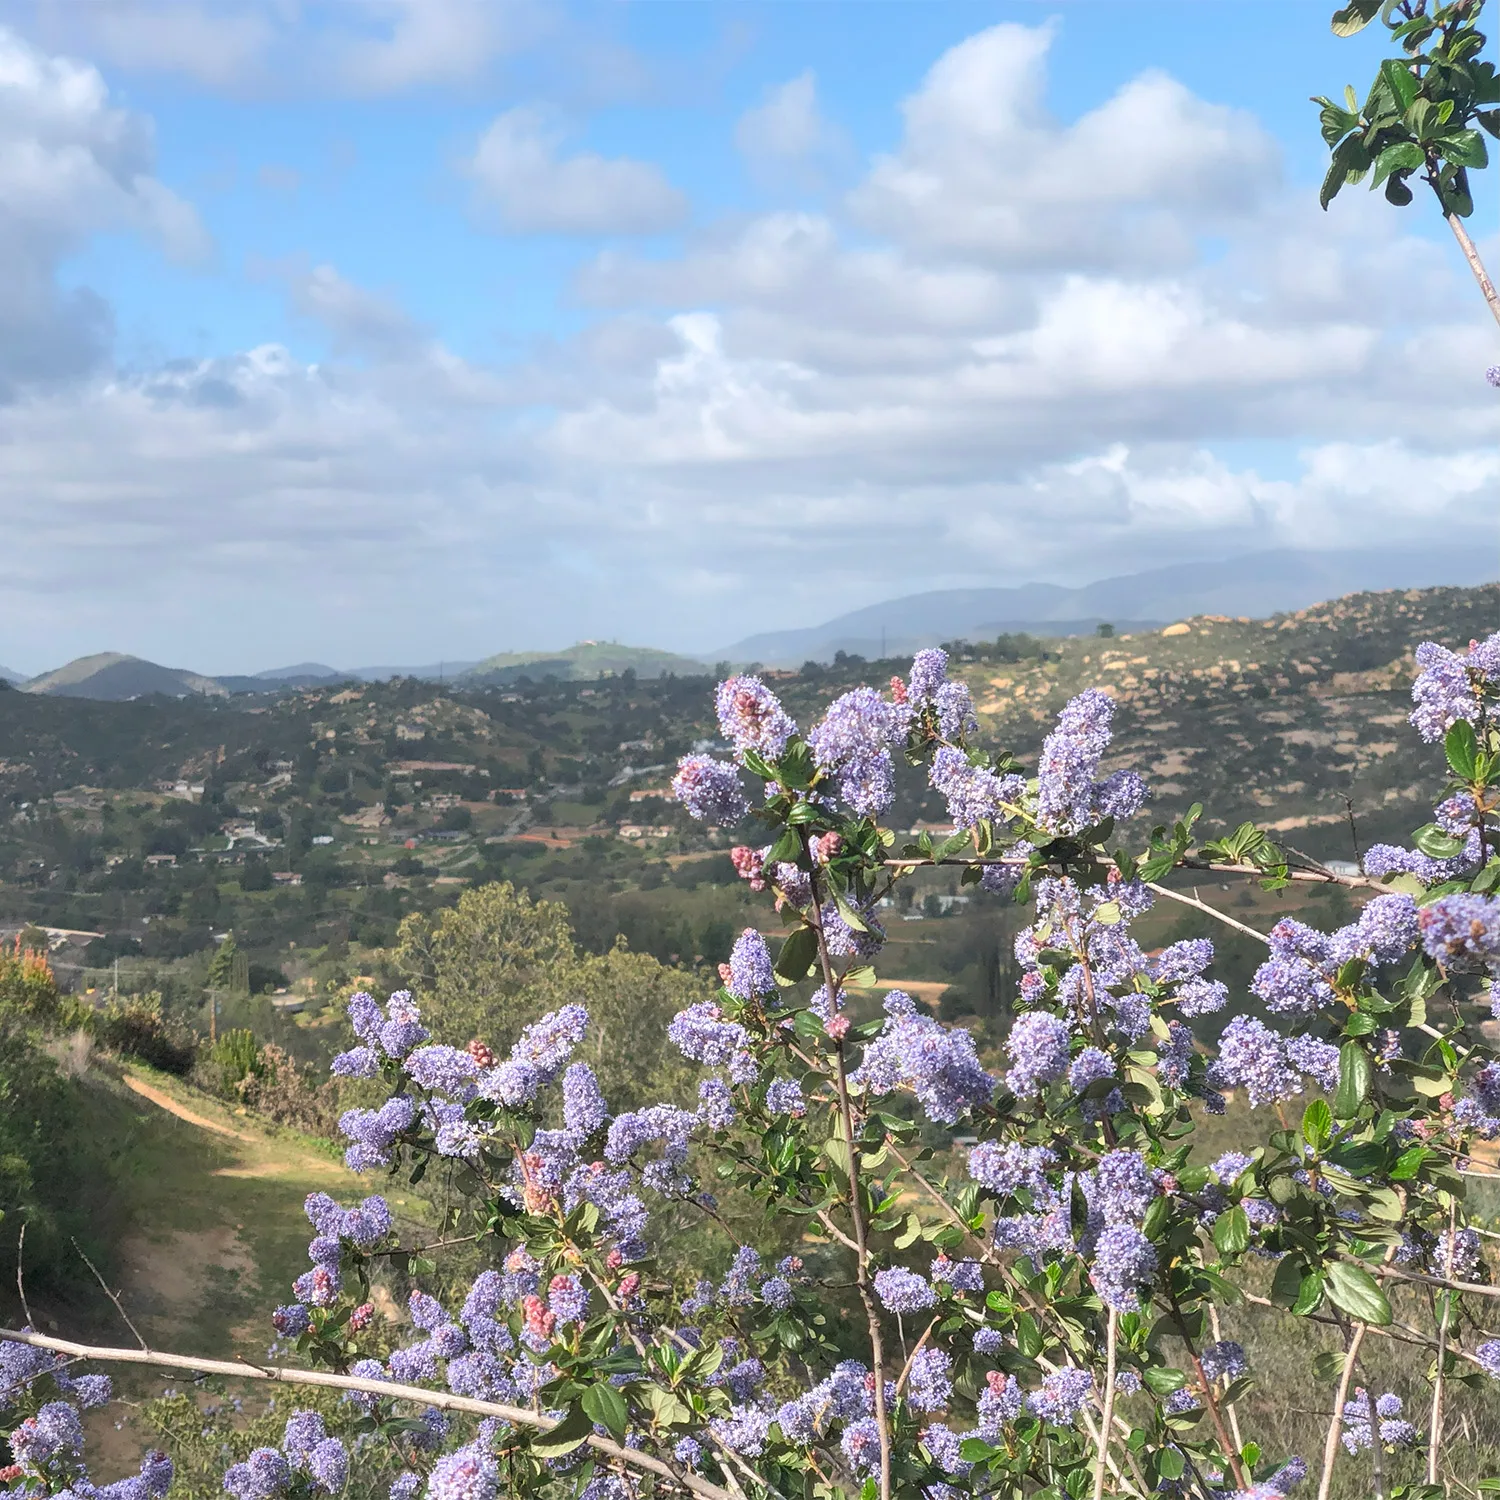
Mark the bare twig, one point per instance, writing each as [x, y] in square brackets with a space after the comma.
[1203, 906]
[1111, 1338]
[1486, 286]
[520, 1416]
[1230, 1410]
[1435, 1419]
[113, 1297]
[1336, 1421]
[21, 1274]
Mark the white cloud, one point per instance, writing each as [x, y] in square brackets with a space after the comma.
[918, 398]
[983, 170]
[786, 137]
[357, 320]
[353, 47]
[524, 183]
[71, 164]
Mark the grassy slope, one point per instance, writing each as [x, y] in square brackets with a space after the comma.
[217, 1231]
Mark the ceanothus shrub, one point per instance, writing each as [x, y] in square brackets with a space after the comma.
[1036, 1321]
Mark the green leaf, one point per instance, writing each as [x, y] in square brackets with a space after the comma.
[1317, 1124]
[1431, 839]
[1286, 1284]
[1309, 1295]
[1464, 148]
[1403, 83]
[1462, 749]
[1355, 1075]
[1328, 1366]
[1232, 1231]
[1163, 1379]
[572, 1432]
[860, 979]
[798, 954]
[1170, 1463]
[606, 1405]
[1355, 1290]
[1350, 19]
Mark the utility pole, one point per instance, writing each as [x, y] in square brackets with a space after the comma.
[117, 977]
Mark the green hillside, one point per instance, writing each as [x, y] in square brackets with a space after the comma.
[586, 661]
[114, 677]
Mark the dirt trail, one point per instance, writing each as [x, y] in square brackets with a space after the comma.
[172, 1107]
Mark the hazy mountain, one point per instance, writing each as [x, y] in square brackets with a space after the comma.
[304, 671]
[9, 676]
[1256, 584]
[583, 662]
[115, 677]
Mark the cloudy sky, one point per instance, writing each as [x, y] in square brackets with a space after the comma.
[392, 330]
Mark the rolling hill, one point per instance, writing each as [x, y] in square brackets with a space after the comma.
[583, 662]
[115, 677]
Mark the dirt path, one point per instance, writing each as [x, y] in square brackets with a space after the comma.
[172, 1107]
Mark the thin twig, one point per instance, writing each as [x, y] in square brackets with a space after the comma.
[1336, 1421]
[113, 1297]
[1111, 1338]
[1203, 906]
[21, 1274]
[391, 1390]
[1486, 286]
[1230, 1409]
[1435, 1419]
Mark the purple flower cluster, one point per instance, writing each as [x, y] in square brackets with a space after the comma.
[852, 744]
[1361, 1423]
[929, 1386]
[750, 972]
[1124, 1259]
[1450, 685]
[1462, 932]
[936, 1062]
[1038, 1046]
[701, 1033]
[541, 1052]
[710, 790]
[972, 792]
[1063, 1394]
[903, 1291]
[752, 718]
[1253, 1057]
[391, 1032]
[784, 1097]
[1069, 795]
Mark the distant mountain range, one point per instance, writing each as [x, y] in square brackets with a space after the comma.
[114, 677]
[1256, 585]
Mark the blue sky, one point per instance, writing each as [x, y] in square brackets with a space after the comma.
[406, 329]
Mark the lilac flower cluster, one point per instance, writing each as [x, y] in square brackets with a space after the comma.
[752, 718]
[306, 1449]
[391, 1032]
[937, 1063]
[750, 971]
[1255, 1058]
[710, 790]
[1451, 684]
[1361, 1423]
[853, 745]
[1070, 797]
[973, 792]
[1462, 932]
[1298, 977]
[903, 1291]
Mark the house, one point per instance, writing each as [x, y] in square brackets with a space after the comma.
[644, 831]
[645, 793]
[286, 877]
[156, 861]
[322, 838]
